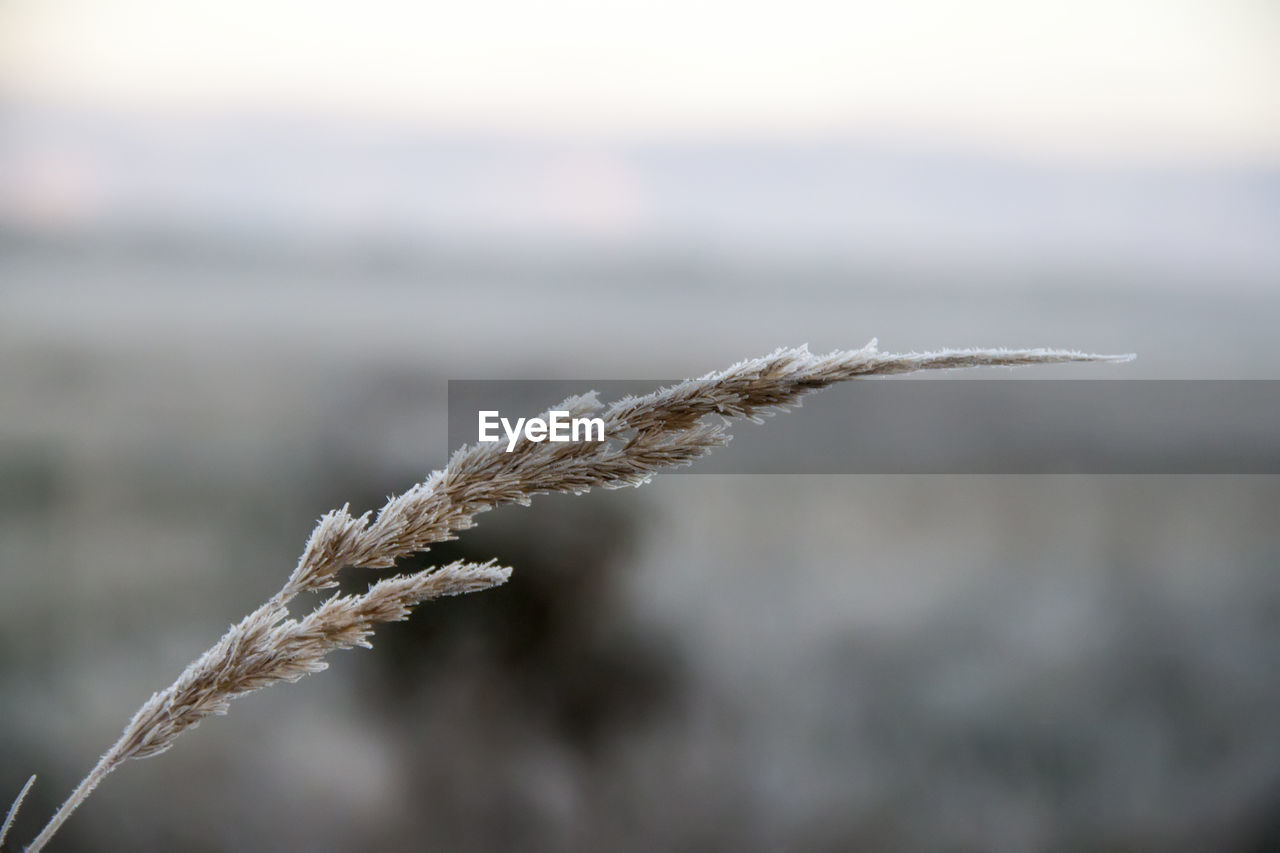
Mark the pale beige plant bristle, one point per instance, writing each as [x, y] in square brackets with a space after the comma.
[13, 809]
[645, 435]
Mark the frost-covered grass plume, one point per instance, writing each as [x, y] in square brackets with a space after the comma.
[643, 435]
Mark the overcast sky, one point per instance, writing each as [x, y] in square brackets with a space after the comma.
[1152, 78]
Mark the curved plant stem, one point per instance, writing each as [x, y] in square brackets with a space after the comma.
[105, 765]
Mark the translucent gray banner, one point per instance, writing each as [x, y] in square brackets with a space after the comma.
[961, 426]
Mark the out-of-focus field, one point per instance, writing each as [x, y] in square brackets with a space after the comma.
[711, 662]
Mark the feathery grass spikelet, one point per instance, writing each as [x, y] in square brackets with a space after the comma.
[644, 435]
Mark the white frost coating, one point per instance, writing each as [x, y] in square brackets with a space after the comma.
[642, 436]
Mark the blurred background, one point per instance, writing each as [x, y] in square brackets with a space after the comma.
[244, 246]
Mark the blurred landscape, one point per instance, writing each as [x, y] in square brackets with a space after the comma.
[222, 318]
